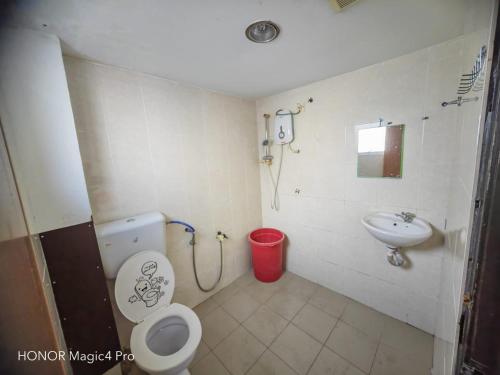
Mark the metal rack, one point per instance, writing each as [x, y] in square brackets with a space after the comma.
[473, 81]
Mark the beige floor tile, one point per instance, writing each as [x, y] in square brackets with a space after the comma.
[415, 343]
[209, 365]
[315, 322]
[390, 361]
[270, 364]
[265, 324]
[224, 294]
[285, 304]
[239, 351]
[261, 291]
[364, 318]
[216, 326]
[284, 279]
[353, 345]
[205, 308]
[351, 348]
[296, 348]
[247, 279]
[241, 305]
[201, 352]
[329, 301]
[300, 287]
[329, 363]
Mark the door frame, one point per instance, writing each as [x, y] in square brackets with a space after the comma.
[485, 242]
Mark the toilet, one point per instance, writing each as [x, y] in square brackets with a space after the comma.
[166, 336]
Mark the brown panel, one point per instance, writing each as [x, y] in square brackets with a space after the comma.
[392, 153]
[81, 294]
[24, 317]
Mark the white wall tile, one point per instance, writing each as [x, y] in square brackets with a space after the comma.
[323, 222]
[152, 144]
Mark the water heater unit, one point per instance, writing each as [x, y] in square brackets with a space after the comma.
[283, 128]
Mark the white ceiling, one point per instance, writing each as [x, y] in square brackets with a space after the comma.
[202, 42]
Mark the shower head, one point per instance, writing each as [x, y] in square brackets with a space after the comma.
[262, 31]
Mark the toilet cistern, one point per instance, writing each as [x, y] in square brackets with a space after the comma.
[397, 230]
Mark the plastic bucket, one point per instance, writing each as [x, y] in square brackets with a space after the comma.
[267, 253]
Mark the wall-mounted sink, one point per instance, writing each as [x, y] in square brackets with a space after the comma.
[394, 231]
[397, 230]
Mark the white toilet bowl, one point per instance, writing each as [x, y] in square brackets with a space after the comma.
[166, 337]
[166, 341]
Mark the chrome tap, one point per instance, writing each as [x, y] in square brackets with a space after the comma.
[407, 216]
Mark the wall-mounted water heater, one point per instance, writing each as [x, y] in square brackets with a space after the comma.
[283, 127]
[283, 135]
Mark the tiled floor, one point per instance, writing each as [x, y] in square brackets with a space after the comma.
[294, 326]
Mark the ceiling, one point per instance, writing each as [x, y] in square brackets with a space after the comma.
[202, 42]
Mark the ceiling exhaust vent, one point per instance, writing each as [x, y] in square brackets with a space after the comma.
[342, 4]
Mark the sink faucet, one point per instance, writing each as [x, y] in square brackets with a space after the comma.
[407, 216]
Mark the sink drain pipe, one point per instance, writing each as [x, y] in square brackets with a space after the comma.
[394, 256]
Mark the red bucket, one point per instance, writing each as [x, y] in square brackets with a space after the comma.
[267, 253]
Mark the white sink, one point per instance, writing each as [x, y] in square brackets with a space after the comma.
[394, 231]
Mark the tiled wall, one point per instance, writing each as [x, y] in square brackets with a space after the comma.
[327, 242]
[152, 144]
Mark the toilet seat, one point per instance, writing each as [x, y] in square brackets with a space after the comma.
[143, 289]
[152, 362]
[144, 284]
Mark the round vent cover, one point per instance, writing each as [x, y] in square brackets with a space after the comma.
[262, 31]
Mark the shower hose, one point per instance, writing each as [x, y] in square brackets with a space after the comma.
[190, 229]
[275, 199]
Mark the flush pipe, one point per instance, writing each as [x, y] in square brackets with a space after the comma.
[220, 237]
[188, 229]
